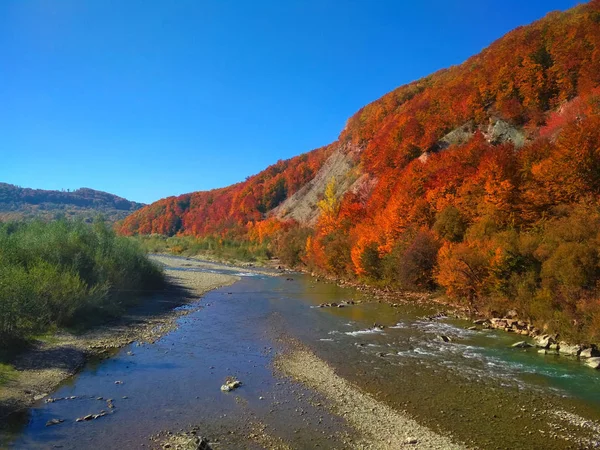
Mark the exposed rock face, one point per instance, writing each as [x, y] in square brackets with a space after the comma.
[302, 206]
[458, 136]
[499, 131]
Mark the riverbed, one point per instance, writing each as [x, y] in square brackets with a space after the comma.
[473, 391]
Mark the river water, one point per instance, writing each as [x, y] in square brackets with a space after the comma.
[476, 387]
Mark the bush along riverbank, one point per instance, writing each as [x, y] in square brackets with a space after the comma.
[65, 274]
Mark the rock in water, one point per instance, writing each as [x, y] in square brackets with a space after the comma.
[54, 422]
[444, 338]
[521, 344]
[594, 363]
[230, 385]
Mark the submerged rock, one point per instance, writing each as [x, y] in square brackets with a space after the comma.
[54, 422]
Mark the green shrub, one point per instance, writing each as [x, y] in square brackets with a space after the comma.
[65, 273]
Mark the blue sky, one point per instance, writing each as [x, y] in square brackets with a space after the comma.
[149, 98]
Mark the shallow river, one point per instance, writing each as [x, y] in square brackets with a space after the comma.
[485, 393]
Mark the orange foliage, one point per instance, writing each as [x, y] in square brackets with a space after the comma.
[489, 199]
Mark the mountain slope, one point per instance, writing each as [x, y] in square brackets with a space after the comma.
[86, 203]
[483, 178]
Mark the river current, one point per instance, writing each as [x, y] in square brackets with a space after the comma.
[476, 387]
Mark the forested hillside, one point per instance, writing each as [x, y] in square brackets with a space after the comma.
[18, 202]
[482, 179]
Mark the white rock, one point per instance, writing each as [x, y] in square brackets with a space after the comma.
[594, 363]
[521, 344]
[589, 353]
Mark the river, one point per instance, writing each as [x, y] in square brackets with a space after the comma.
[476, 387]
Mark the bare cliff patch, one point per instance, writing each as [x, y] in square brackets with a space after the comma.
[302, 206]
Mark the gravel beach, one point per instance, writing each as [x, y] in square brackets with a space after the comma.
[380, 426]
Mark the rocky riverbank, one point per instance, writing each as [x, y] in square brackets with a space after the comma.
[547, 343]
[40, 369]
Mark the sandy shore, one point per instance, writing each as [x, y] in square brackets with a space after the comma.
[379, 426]
[41, 369]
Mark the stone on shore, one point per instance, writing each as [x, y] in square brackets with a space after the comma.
[589, 352]
[569, 350]
[544, 341]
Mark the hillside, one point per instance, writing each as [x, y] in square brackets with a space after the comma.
[17, 202]
[482, 179]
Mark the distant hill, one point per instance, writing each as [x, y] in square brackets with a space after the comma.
[17, 202]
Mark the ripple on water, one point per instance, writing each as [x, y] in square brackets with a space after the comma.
[365, 332]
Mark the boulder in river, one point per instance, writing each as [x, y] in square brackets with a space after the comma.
[230, 384]
[444, 338]
[521, 344]
[594, 363]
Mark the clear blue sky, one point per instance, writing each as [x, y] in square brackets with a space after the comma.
[149, 98]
